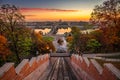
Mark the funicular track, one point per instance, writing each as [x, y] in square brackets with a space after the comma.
[60, 68]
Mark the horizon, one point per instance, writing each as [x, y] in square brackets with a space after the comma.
[57, 21]
[52, 10]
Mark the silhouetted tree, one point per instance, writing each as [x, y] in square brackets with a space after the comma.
[107, 14]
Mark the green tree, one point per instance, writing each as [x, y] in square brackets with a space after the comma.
[24, 44]
[93, 45]
[12, 27]
[75, 43]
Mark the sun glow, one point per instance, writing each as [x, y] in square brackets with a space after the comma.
[55, 14]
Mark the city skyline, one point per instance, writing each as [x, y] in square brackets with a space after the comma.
[53, 10]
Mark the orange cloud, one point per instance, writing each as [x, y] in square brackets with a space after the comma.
[44, 14]
[30, 15]
[46, 9]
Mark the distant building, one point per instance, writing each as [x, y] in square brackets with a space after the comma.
[88, 31]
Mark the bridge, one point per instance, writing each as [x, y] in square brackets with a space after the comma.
[54, 26]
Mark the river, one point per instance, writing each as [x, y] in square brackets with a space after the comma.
[60, 31]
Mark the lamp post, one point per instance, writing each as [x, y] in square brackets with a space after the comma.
[37, 52]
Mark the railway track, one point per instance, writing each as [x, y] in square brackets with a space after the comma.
[60, 69]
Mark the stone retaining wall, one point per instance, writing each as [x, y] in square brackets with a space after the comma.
[26, 70]
[90, 69]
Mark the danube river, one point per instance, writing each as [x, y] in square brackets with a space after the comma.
[60, 31]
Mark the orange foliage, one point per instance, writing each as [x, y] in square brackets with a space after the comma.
[42, 45]
[4, 51]
[69, 38]
[38, 37]
[110, 36]
[51, 46]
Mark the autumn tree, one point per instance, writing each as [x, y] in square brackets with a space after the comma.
[69, 38]
[107, 17]
[36, 42]
[4, 50]
[12, 27]
[107, 14]
[42, 44]
[49, 41]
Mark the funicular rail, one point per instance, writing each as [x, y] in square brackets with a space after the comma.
[60, 70]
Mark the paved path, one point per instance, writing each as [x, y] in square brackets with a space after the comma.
[101, 54]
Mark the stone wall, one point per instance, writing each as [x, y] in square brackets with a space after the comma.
[26, 70]
[90, 69]
[87, 69]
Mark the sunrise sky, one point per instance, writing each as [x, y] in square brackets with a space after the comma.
[53, 10]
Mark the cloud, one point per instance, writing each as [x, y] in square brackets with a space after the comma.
[46, 9]
[30, 15]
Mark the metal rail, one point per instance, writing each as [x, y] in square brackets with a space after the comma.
[60, 70]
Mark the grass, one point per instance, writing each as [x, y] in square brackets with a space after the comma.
[48, 38]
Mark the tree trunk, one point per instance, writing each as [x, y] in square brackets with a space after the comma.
[16, 52]
[4, 58]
